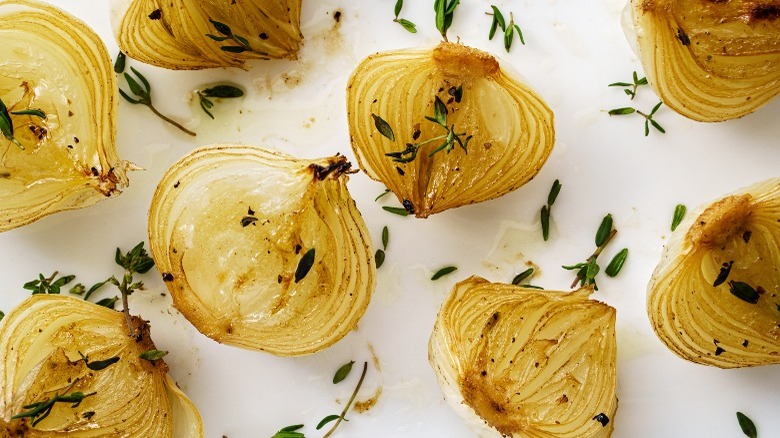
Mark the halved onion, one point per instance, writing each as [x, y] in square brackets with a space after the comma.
[54, 62]
[511, 127]
[173, 34]
[41, 343]
[526, 363]
[262, 250]
[708, 60]
[736, 238]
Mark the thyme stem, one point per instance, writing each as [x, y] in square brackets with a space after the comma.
[171, 121]
[349, 403]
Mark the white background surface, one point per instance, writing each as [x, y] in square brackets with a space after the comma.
[606, 165]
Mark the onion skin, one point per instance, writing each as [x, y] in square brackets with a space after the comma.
[707, 324]
[55, 62]
[526, 363]
[233, 278]
[40, 343]
[511, 125]
[172, 34]
[709, 60]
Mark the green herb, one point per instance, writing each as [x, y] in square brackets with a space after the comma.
[108, 302]
[400, 211]
[144, 94]
[304, 265]
[379, 258]
[522, 276]
[134, 261]
[444, 13]
[2, 315]
[119, 64]
[44, 285]
[342, 417]
[218, 92]
[630, 91]
[498, 21]
[88, 415]
[450, 138]
[289, 432]
[546, 209]
[509, 33]
[38, 411]
[382, 195]
[343, 372]
[326, 420]
[679, 214]
[443, 271]
[227, 34]
[30, 112]
[153, 355]
[7, 125]
[79, 289]
[748, 428]
[385, 236]
[383, 127]
[408, 25]
[725, 270]
[587, 270]
[614, 267]
[98, 365]
[648, 117]
[744, 292]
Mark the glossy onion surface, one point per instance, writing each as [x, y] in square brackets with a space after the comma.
[230, 228]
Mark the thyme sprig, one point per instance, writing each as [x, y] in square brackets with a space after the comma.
[648, 117]
[135, 261]
[449, 139]
[509, 31]
[343, 415]
[290, 432]
[53, 285]
[144, 94]
[7, 125]
[38, 411]
[221, 91]
[587, 270]
[227, 34]
[406, 24]
[631, 91]
[445, 11]
[546, 209]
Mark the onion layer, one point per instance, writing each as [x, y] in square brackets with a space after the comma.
[709, 60]
[54, 62]
[173, 34]
[511, 127]
[262, 250]
[41, 343]
[526, 363]
[734, 239]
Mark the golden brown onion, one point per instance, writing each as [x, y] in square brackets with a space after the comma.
[173, 34]
[53, 62]
[709, 60]
[230, 228]
[511, 127]
[526, 363]
[734, 239]
[41, 343]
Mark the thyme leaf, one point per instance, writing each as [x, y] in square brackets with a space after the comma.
[219, 91]
[617, 262]
[304, 265]
[343, 372]
[290, 432]
[747, 425]
[153, 355]
[443, 271]
[522, 276]
[383, 127]
[679, 214]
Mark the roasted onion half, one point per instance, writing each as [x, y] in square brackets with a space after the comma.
[57, 152]
[715, 297]
[175, 34]
[43, 346]
[526, 363]
[262, 250]
[709, 60]
[427, 98]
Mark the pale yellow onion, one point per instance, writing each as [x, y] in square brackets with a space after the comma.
[54, 62]
[40, 343]
[706, 324]
[730, 64]
[521, 362]
[235, 281]
[512, 126]
[177, 39]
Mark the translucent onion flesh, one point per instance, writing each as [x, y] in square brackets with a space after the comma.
[709, 60]
[234, 280]
[172, 34]
[526, 363]
[707, 324]
[512, 127]
[53, 62]
[40, 346]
